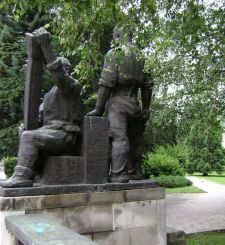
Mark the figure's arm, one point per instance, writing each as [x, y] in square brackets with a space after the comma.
[146, 96]
[107, 82]
[54, 64]
[103, 96]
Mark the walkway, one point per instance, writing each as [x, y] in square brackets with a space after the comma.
[197, 212]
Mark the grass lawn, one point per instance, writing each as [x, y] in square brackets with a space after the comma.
[186, 189]
[210, 238]
[213, 177]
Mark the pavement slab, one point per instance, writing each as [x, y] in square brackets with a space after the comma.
[197, 212]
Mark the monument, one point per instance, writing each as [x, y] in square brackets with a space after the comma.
[61, 117]
[121, 78]
[71, 154]
[41, 149]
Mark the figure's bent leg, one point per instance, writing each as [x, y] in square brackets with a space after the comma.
[27, 155]
[31, 144]
[120, 150]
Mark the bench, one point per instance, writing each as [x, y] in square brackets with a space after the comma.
[36, 229]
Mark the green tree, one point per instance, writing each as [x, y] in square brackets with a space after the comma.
[12, 74]
[182, 43]
[205, 148]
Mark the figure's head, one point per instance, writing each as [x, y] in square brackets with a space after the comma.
[119, 35]
[66, 64]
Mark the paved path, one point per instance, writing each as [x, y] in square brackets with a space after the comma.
[197, 212]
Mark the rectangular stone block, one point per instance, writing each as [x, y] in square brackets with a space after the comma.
[161, 221]
[83, 219]
[6, 238]
[135, 214]
[63, 170]
[97, 171]
[39, 229]
[145, 194]
[135, 236]
[6, 204]
[106, 217]
[56, 201]
[99, 198]
[95, 149]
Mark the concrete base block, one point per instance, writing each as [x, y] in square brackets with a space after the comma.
[63, 170]
[5, 236]
[134, 236]
[109, 218]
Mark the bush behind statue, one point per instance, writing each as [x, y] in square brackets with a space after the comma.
[172, 181]
[9, 164]
[179, 151]
[161, 164]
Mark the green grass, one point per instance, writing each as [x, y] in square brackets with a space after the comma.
[214, 177]
[210, 238]
[186, 189]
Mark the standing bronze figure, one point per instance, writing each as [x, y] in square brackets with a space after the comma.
[121, 78]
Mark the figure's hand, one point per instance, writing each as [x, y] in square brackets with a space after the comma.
[43, 37]
[145, 115]
[95, 112]
[21, 129]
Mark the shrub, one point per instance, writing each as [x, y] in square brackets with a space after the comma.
[178, 151]
[10, 163]
[160, 164]
[172, 181]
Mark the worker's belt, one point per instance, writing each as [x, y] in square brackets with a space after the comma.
[125, 91]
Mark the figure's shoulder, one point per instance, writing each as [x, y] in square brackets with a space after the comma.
[113, 55]
[75, 81]
[74, 84]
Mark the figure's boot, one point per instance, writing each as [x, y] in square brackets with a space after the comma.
[134, 167]
[119, 170]
[22, 177]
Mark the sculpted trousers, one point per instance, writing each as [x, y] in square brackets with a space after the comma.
[126, 133]
[43, 141]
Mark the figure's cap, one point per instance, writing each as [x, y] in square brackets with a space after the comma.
[65, 63]
[119, 33]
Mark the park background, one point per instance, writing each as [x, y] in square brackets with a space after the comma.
[183, 45]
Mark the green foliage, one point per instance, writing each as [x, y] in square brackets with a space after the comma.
[10, 163]
[172, 181]
[12, 73]
[12, 52]
[206, 152]
[178, 151]
[182, 42]
[160, 164]
[9, 140]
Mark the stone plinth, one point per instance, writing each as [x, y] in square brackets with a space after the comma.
[95, 149]
[92, 167]
[63, 170]
[124, 217]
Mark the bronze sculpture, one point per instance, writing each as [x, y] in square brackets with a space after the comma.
[61, 118]
[121, 78]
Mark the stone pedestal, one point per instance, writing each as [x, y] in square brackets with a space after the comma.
[124, 217]
[95, 149]
[91, 167]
